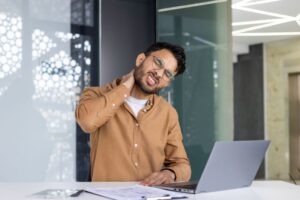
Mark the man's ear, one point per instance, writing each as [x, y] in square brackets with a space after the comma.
[139, 59]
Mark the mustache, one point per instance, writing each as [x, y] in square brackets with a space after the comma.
[154, 77]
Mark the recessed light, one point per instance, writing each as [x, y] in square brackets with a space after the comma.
[298, 19]
[190, 5]
[261, 24]
[268, 34]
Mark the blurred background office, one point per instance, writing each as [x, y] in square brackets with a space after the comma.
[241, 83]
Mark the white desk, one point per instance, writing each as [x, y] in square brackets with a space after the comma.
[260, 190]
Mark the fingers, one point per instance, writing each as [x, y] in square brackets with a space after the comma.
[128, 80]
[157, 178]
[128, 76]
[154, 179]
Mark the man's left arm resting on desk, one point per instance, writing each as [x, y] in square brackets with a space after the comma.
[176, 157]
[176, 160]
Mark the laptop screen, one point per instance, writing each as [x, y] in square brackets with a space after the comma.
[231, 164]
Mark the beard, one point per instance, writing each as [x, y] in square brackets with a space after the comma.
[138, 77]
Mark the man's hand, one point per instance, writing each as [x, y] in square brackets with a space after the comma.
[157, 178]
[129, 80]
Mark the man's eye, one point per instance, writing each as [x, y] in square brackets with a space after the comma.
[158, 62]
[168, 74]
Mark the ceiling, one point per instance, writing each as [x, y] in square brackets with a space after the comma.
[260, 21]
[253, 21]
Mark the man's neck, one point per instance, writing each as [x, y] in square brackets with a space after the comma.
[136, 92]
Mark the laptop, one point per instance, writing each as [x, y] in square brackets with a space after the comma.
[231, 164]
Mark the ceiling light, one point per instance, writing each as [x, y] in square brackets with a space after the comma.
[190, 5]
[260, 24]
[261, 12]
[253, 22]
[245, 3]
[268, 34]
[298, 19]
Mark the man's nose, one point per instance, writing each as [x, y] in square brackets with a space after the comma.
[159, 73]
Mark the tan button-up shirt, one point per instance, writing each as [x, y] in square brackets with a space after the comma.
[129, 148]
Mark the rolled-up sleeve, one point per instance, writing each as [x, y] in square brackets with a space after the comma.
[176, 157]
[97, 107]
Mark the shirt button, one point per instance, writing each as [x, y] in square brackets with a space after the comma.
[135, 145]
[125, 95]
[137, 125]
[113, 105]
[145, 110]
[136, 164]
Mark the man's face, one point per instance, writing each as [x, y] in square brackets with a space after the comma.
[151, 78]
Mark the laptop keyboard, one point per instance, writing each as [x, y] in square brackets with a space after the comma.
[187, 186]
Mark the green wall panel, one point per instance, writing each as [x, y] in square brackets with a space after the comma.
[203, 94]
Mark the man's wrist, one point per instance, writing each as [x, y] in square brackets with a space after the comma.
[173, 174]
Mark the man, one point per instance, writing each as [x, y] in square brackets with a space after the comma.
[134, 133]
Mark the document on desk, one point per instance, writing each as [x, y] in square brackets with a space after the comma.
[135, 192]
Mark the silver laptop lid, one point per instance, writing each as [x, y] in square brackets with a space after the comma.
[232, 164]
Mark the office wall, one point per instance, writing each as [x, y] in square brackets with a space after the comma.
[248, 95]
[249, 98]
[281, 59]
[128, 28]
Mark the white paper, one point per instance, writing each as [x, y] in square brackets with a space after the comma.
[134, 192]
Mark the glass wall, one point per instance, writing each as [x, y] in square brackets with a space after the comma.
[45, 61]
[203, 94]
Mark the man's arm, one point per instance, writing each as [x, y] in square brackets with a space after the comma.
[176, 158]
[177, 166]
[97, 107]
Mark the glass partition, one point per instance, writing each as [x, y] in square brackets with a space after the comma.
[46, 56]
[203, 94]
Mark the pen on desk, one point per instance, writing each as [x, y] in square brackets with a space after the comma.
[183, 197]
[76, 194]
[163, 197]
[157, 197]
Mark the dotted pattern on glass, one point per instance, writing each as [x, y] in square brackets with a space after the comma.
[10, 44]
[58, 79]
[41, 44]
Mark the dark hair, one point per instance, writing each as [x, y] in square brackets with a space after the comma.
[177, 51]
